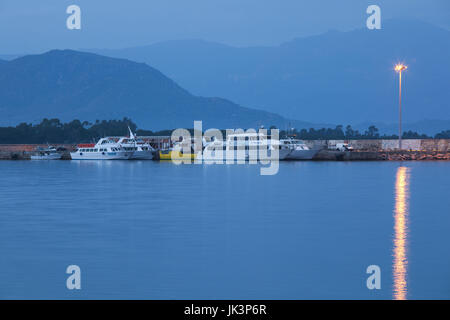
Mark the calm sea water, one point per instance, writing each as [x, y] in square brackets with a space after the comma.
[151, 230]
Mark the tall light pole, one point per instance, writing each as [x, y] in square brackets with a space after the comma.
[399, 68]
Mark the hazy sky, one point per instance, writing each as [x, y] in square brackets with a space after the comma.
[38, 25]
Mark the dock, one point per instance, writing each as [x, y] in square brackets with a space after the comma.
[363, 150]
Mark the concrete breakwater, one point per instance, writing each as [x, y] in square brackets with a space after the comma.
[377, 145]
[379, 149]
[376, 149]
[330, 155]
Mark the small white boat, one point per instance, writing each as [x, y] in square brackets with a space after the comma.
[140, 149]
[49, 153]
[299, 150]
[104, 149]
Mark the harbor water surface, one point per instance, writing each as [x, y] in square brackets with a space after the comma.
[155, 230]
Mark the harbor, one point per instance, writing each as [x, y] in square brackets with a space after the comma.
[226, 159]
[328, 150]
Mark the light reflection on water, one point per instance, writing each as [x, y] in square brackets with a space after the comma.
[400, 263]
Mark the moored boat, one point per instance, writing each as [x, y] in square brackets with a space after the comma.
[49, 153]
[140, 149]
[299, 150]
[175, 155]
[104, 149]
[243, 147]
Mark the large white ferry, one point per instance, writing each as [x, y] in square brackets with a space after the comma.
[104, 149]
[245, 146]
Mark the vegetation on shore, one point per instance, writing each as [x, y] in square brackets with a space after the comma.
[55, 131]
[339, 133]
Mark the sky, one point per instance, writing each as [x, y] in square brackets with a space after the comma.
[31, 26]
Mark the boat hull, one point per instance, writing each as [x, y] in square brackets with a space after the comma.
[118, 155]
[176, 155]
[232, 156]
[301, 154]
[142, 155]
[53, 156]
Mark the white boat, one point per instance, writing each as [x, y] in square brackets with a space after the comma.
[299, 150]
[49, 153]
[140, 150]
[245, 146]
[104, 149]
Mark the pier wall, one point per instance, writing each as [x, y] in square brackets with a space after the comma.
[365, 145]
[330, 155]
[442, 145]
[29, 147]
[413, 149]
[23, 151]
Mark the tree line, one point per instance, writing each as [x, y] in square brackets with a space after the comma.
[76, 131]
[347, 133]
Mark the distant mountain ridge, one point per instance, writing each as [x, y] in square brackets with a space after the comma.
[329, 79]
[336, 77]
[69, 85]
[8, 57]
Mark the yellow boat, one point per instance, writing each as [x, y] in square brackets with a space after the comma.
[175, 155]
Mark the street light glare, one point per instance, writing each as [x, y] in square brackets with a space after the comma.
[400, 67]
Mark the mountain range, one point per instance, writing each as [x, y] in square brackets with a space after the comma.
[69, 85]
[317, 81]
[336, 77]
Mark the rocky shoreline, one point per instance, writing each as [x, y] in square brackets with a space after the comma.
[328, 155]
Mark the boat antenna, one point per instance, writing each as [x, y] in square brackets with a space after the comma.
[131, 133]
